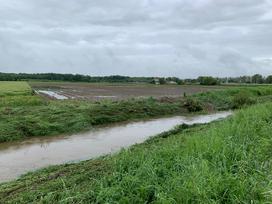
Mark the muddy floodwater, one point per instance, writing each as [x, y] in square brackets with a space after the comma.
[52, 94]
[17, 158]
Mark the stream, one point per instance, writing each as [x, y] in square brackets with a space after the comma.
[17, 158]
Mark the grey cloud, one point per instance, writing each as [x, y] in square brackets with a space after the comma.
[136, 37]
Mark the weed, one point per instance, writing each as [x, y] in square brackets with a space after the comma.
[193, 105]
[242, 98]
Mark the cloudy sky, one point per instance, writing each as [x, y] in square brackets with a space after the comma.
[184, 38]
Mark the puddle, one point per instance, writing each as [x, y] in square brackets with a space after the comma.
[53, 94]
[105, 96]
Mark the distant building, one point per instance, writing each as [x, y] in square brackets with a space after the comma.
[172, 82]
[156, 81]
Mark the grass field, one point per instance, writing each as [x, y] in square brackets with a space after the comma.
[28, 115]
[14, 88]
[223, 162]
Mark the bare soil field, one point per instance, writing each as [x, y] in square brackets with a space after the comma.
[91, 91]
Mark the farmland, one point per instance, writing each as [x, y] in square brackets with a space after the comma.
[101, 91]
[222, 162]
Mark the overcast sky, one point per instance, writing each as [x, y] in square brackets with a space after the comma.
[184, 38]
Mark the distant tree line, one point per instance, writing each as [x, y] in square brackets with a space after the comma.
[72, 78]
[208, 80]
[86, 78]
[255, 79]
[202, 80]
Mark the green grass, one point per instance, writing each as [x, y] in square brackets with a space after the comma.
[14, 88]
[38, 118]
[223, 99]
[23, 115]
[222, 162]
[29, 116]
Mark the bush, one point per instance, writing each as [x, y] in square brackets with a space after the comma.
[242, 99]
[208, 80]
[193, 105]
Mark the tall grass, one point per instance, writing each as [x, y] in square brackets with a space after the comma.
[223, 162]
[230, 98]
[24, 116]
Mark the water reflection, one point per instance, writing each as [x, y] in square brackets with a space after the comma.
[17, 158]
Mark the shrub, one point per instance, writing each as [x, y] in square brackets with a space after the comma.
[193, 105]
[242, 99]
[208, 80]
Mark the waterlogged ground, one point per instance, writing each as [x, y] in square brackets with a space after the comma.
[89, 91]
[52, 94]
[17, 158]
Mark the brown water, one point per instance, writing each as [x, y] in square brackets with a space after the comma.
[21, 157]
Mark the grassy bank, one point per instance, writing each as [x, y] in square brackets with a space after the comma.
[39, 118]
[24, 115]
[223, 162]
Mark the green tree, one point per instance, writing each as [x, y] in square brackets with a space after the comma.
[162, 81]
[208, 80]
[257, 79]
[269, 79]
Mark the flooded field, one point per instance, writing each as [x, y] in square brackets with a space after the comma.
[89, 91]
[53, 94]
[17, 158]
